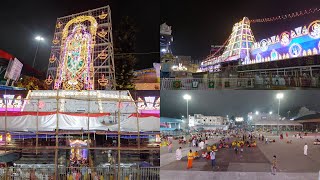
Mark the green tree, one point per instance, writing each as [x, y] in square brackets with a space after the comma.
[32, 83]
[124, 43]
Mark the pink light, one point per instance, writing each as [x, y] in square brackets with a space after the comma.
[154, 111]
[10, 109]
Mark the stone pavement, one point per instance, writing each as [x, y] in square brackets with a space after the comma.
[290, 156]
[209, 175]
[167, 158]
[251, 159]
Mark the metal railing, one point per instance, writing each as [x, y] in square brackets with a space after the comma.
[238, 83]
[80, 173]
[206, 84]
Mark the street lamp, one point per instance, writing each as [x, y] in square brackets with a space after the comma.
[270, 112]
[257, 112]
[187, 97]
[39, 39]
[279, 96]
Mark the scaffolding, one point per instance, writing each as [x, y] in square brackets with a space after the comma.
[82, 55]
[116, 106]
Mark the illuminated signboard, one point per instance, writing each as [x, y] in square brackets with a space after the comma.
[302, 41]
[239, 119]
[11, 103]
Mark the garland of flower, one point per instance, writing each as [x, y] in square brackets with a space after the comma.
[287, 16]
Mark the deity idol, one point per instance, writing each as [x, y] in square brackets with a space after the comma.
[76, 59]
[315, 30]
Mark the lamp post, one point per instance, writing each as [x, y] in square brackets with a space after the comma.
[279, 96]
[187, 97]
[39, 39]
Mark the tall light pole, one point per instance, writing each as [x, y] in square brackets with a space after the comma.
[279, 96]
[39, 39]
[187, 97]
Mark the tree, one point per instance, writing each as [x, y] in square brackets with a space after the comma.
[124, 41]
[32, 83]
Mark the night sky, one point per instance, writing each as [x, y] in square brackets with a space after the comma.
[197, 25]
[21, 21]
[237, 103]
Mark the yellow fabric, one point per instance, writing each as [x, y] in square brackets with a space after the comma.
[190, 155]
[196, 154]
[70, 177]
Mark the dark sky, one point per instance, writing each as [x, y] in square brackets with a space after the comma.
[237, 102]
[198, 24]
[21, 21]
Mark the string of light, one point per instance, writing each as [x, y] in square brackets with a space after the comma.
[287, 16]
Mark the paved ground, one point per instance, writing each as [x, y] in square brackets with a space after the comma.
[290, 158]
[252, 159]
[209, 175]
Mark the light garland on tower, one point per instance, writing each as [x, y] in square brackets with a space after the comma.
[286, 16]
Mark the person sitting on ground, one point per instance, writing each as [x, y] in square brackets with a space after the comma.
[196, 154]
[204, 154]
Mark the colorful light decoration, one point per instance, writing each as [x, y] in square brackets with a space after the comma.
[55, 41]
[103, 81]
[49, 80]
[237, 46]
[103, 55]
[286, 16]
[302, 41]
[76, 64]
[102, 33]
[274, 55]
[285, 38]
[103, 15]
[10, 103]
[264, 45]
[295, 50]
[150, 103]
[314, 29]
[179, 67]
[52, 59]
[8, 137]
[97, 23]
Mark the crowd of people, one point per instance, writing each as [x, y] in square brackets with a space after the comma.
[206, 144]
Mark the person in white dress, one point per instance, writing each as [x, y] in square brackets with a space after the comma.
[178, 154]
[305, 149]
[201, 144]
[194, 142]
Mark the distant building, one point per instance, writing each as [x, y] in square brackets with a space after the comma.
[208, 122]
[166, 39]
[171, 126]
[310, 122]
[147, 79]
[271, 122]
